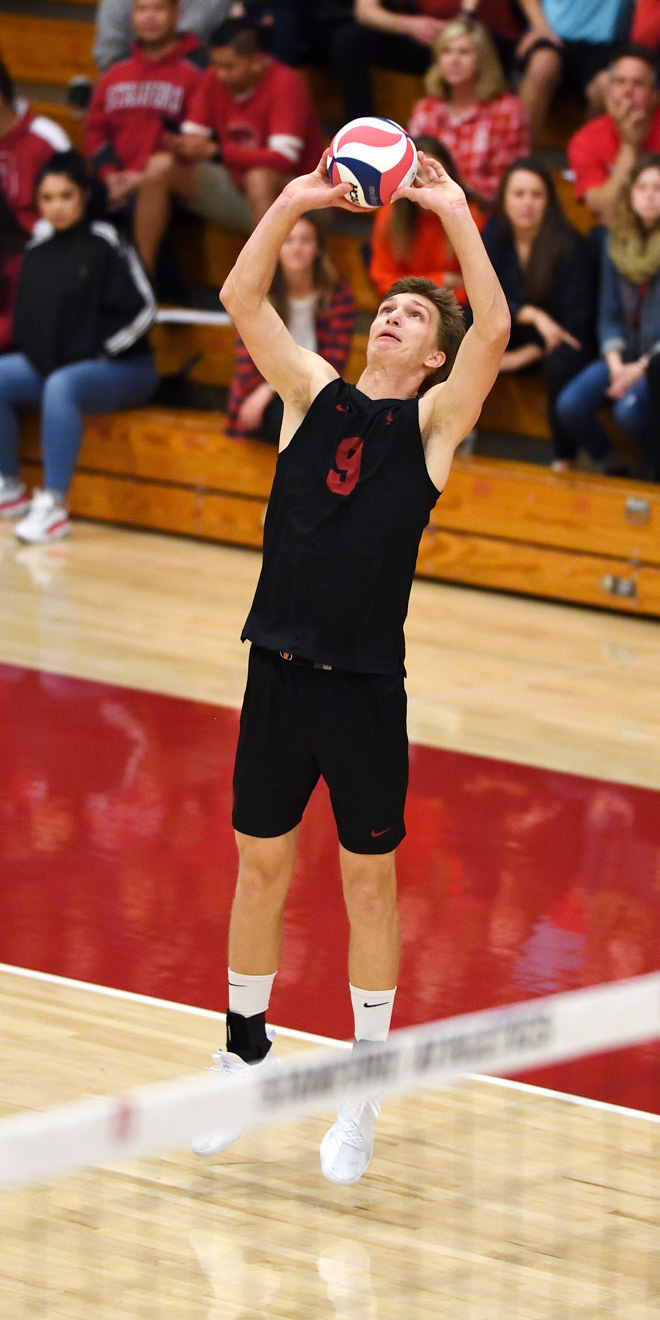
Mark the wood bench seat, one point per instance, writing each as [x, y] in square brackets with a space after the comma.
[46, 50]
[513, 526]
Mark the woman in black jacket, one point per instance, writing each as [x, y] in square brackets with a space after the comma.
[83, 310]
[547, 271]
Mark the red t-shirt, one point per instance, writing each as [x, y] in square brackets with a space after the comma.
[135, 101]
[496, 15]
[273, 127]
[593, 150]
[23, 150]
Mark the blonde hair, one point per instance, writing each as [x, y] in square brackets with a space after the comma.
[489, 82]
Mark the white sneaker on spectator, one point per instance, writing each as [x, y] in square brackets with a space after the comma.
[212, 1143]
[46, 519]
[348, 1145]
[14, 499]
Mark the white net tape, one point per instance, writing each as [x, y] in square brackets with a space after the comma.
[499, 1041]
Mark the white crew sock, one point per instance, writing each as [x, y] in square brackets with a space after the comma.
[372, 1010]
[249, 995]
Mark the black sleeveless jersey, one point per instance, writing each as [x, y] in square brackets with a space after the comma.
[350, 500]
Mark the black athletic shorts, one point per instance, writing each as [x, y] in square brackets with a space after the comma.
[299, 723]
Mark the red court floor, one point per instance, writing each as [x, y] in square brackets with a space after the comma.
[117, 866]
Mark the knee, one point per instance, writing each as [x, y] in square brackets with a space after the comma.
[370, 889]
[544, 68]
[58, 389]
[264, 871]
[264, 183]
[158, 168]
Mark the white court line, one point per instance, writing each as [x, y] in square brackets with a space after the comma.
[584, 1100]
[132, 998]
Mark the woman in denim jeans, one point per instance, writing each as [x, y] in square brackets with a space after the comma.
[83, 310]
[628, 331]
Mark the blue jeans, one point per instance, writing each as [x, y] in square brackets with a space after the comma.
[580, 400]
[65, 396]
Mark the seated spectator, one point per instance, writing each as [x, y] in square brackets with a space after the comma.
[469, 108]
[319, 312]
[12, 242]
[115, 32]
[407, 240]
[546, 270]
[628, 330]
[569, 43]
[83, 309]
[134, 104]
[602, 154]
[251, 126]
[27, 140]
[381, 35]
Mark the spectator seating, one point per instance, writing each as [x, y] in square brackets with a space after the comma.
[572, 537]
[46, 50]
[568, 537]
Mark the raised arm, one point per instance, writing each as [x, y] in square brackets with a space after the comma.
[448, 411]
[295, 373]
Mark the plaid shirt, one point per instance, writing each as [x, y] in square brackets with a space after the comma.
[483, 140]
[334, 332]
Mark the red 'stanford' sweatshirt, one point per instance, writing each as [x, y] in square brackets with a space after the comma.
[138, 100]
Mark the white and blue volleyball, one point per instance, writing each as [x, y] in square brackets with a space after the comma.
[376, 156]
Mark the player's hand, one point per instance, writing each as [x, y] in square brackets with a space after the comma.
[433, 188]
[313, 192]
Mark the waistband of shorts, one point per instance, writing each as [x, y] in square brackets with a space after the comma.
[302, 660]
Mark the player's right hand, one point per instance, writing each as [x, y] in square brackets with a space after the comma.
[313, 192]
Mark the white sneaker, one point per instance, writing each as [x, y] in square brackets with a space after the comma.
[348, 1145]
[14, 499]
[46, 520]
[212, 1143]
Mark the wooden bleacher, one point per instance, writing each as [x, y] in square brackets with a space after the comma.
[507, 525]
[514, 526]
[46, 50]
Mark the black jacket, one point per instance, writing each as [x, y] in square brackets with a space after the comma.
[82, 294]
[573, 298]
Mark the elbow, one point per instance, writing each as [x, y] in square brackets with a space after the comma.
[228, 295]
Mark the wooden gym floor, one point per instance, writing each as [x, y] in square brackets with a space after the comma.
[532, 864]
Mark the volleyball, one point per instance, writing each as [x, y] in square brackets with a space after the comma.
[376, 156]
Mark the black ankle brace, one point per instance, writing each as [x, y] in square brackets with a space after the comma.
[246, 1036]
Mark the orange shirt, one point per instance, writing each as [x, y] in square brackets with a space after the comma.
[431, 254]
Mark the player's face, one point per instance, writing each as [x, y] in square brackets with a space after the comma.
[404, 334]
[645, 197]
[525, 201]
[239, 73]
[154, 20]
[300, 250]
[631, 86]
[459, 61]
[60, 201]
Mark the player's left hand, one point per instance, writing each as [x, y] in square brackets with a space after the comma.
[432, 188]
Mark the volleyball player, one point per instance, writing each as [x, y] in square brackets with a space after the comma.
[359, 470]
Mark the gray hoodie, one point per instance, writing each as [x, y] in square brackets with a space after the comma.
[114, 30]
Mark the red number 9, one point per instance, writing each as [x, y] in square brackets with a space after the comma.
[348, 460]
